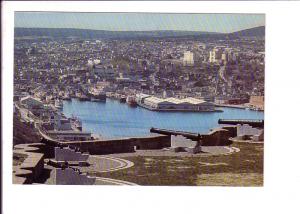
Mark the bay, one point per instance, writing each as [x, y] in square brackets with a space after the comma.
[115, 119]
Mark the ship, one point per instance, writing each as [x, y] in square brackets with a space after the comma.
[122, 99]
[58, 104]
[97, 95]
[76, 123]
[130, 100]
[82, 97]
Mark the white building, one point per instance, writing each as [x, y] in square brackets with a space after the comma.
[188, 58]
[169, 104]
[215, 55]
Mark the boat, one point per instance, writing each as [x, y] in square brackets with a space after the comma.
[82, 97]
[130, 100]
[122, 99]
[76, 123]
[97, 95]
[58, 104]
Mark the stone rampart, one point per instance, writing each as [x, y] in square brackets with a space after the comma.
[123, 145]
[216, 137]
[69, 176]
[67, 154]
[32, 166]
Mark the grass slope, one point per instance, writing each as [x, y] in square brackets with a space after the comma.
[244, 168]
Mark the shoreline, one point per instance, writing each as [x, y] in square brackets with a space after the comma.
[238, 106]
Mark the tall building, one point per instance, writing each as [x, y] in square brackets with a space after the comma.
[188, 58]
[224, 57]
[215, 55]
[212, 56]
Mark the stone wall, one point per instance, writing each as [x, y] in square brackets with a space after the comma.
[155, 141]
[182, 144]
[67, 154]
[33, 165]
[124, 145]
[257, 101]
[247, 130]
[69, 176]
[232, 130]
[216, 137]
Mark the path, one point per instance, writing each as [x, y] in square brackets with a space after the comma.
[107, 164]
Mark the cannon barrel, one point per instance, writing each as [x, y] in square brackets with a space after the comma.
[189, 135]
[253, 123]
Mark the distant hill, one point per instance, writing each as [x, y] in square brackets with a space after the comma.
[102, 34]
[252, 32]
[83, 33]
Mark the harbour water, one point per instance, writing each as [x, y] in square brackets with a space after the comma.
[115, 119]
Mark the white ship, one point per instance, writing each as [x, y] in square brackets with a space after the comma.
[58, 104]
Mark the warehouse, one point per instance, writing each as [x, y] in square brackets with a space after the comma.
[174, 104]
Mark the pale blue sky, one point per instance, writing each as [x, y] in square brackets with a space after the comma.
[140, 21]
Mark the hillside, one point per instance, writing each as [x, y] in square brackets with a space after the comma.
[252, 32]
[23, 133]
[102, 34]
[84, 33]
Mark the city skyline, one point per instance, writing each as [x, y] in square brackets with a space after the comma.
[219, 23]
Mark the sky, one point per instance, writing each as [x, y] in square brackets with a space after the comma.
[223, 23]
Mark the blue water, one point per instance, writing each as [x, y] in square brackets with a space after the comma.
[115, 119]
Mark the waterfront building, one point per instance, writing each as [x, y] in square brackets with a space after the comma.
[60, 122]
[257, 102]
[186, 104]
[97, 94]
[69, 135]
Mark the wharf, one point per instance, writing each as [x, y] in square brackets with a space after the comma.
[231, 106]
[176, 110]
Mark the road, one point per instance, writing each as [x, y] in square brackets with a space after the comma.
[221, 73]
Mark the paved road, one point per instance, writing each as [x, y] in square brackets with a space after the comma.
[107, 164]
[109, 181]
[100, 164]
[221, 73]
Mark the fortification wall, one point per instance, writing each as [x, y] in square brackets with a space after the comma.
[232, 130]
[67, 154]
[33, 165]
[123, 145]
[246, 129]
[152, 142]
[217, 137]
[70, 177]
